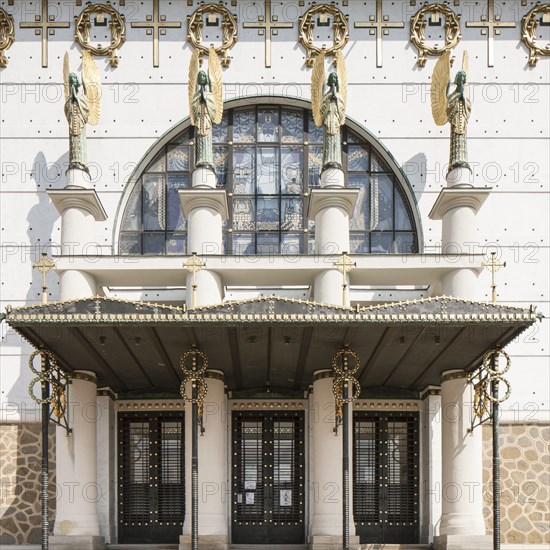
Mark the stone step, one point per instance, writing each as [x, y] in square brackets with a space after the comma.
[269, 546]
[142, 546]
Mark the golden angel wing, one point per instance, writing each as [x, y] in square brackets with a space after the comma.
[192, 81]
[342, 80]
[215, 74]
[66, 73]
[317, 86]
[438, 89]
[92, 84]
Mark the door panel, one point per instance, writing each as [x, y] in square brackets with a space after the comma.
[268, 478]
[385, 477]
[151, 478]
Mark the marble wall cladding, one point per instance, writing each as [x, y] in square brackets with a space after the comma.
[20, 505]
[525, 482]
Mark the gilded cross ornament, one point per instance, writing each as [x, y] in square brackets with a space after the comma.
[7, 35]
[44, 266]
[493, 265]
[268, 25]
[116, 25]
[380, 25]
[539, 15]
[156, 25]
[344, 265]
[434, 14]
[195, 25]
[194, 264]
[45, 25]
[490, 25]
[340, 28]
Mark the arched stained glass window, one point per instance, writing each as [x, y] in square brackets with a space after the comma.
[268, 158]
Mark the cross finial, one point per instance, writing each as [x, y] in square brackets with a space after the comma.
[194, 264]
[44, 266]
[493, 265]
[344, 265]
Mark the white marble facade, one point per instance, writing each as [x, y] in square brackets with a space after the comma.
[508, 152]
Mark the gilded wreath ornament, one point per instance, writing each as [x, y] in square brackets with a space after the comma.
[345, 387]
[116, 24]
[194, 364]
[419, 22]
[306, 29]
[529, 27]
[195, 25]
[7, 35]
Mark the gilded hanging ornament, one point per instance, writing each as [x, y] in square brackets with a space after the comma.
[195, 25]
[7, 35]
[529, 27]
[419, 21]
[116, 24]
[340, 29]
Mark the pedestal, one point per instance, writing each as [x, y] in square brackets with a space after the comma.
[204, 178]
[462, 525]
[213, 490]
[76, 469]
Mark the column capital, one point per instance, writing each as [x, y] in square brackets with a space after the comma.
[213, 199]
[455, 374]
[321, 374]
[430, 391]
[320, 199]
[82, 199]
[462, 197]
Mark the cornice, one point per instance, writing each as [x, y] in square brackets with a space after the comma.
[320, 199]
[213, 199]
[83, 199]
[450, 198]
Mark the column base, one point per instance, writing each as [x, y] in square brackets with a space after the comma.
[82, 542]
[463, 542]
[332, 542]
[206, 542]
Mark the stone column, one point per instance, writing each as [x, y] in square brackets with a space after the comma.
[106, 472]
[213, 457]
[80, 209]
[326, 469]
[331, 208]
[457, 207]
[205, 209]
[431, 463]
[462, 525]
[76, 522]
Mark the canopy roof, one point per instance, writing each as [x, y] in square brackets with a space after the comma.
[269, 342]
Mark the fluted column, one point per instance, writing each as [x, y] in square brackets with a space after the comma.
[462, 524]
[76, 522]
[457, 206]
[326, 468]
[213, 457]
[80, 209]
[331, 208]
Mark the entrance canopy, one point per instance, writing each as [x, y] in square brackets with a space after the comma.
[269, 343]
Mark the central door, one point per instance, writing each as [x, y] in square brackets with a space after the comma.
[268, 468]
[151, 496]
[385, 477]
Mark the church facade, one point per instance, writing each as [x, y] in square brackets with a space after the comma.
[274, 273]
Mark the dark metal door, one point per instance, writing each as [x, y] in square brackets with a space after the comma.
[385, 477]
[268, 477]
[151, 477]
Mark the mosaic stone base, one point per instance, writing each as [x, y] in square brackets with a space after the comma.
[20, 512]
[525, 482]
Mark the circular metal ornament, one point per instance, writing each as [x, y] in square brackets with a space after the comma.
[499, 379]
[43, 355]
[343, 355]
[7, 35]
[307, 27]
[338, 389]
[419, 22]
[199, 363]
[116, 24]
[494, 355]
[529, 28]
[195, 25]
[202, 389]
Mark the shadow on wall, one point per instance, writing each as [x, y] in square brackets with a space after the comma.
[20, 509]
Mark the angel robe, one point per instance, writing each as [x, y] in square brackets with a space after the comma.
[458, 113]
[77, 113]
[204, 109]
[332, 110]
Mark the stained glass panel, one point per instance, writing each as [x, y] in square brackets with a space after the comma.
[292, 160]
[268, 215]
[243, 126]
[176, 219]
[292, 214]
[243, 170]
[153, 202]
[243, 214]
[268, 125]
[178, 158]
[267, 172]
[292, 124]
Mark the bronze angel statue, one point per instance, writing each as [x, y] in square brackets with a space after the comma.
[82, 106]
[452, 107]
[329, 106]
[205, 104]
